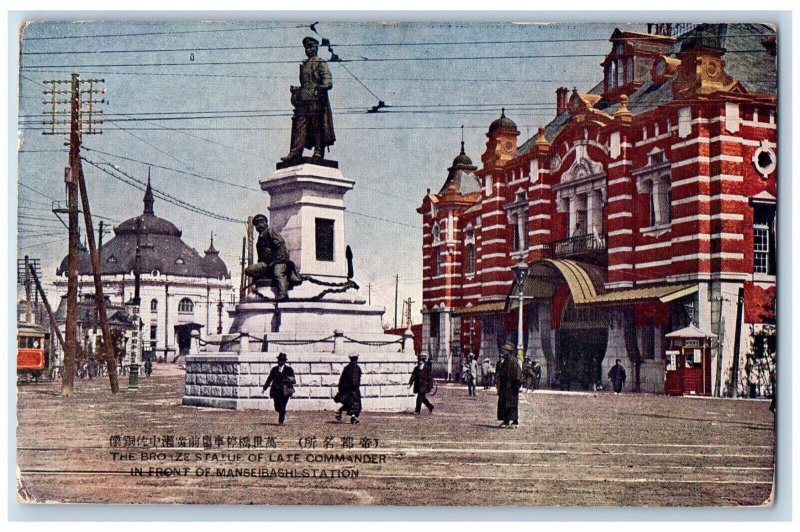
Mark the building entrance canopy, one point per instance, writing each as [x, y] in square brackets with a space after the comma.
[586, 284]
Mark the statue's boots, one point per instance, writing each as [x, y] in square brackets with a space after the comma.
[292, 156]
[319, 154]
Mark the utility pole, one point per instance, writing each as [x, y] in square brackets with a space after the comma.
[76, 184]
[396, 283]
[408, 313]
[27, 292]
[100, 234]
[219, 313]
[243, 280]
[369, 293]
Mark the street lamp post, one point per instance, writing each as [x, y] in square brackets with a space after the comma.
[521, 272]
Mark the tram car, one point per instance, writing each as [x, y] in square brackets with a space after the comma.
[33, 359]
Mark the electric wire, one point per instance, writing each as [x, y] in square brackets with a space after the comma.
[161, 167]
[31, 68]
[138, 184]
[171, 33]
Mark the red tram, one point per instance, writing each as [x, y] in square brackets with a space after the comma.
[32, 350]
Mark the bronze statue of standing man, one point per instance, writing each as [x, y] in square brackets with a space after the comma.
[312, 123]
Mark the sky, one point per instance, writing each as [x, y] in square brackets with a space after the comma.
[204, 107]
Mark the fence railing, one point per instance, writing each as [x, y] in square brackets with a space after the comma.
[578, 245]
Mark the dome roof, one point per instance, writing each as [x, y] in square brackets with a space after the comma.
[461, 176]
[151, 225]
[462, 159]
[503, 124]
[212, 264]
[162, 250]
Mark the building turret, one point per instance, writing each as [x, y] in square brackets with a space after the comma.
[502, 143]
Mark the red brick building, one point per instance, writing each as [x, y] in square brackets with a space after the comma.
[644, 206]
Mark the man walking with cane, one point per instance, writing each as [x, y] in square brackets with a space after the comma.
[422, 381]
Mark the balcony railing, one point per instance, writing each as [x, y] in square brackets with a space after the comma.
[578, 245]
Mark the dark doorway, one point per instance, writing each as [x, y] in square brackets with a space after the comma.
[184, 336]
[579, 357]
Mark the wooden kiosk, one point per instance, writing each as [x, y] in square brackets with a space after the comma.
[688, 362]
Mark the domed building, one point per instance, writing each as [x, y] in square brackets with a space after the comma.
[181, 290]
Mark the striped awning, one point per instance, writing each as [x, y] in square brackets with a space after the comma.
[663, 293]
[586, 284]
[491, 307]
[585, 281]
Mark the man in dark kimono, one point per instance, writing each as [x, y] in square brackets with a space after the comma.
[312, 123]
[617, 376]
[422, 381]
[509, 379]
[281, 383]
[274, 266]
[350, 391]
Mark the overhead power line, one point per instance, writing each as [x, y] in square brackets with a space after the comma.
[23, 185]
[358, 60]
[341, 45]
[140, 185]
[381, 219]
[58, 240]
[140, 139]
[176, 32]
[223, 182]
[257, 76]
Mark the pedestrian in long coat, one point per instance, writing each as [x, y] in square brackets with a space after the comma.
[617, 376]
[509, 379]
[422, 381]
[281, 383]
[472, 373]
[350, 391]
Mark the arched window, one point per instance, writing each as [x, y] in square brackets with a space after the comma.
[612, 77]
[668, 204]
[653, 211]
[186, 306]
[470, 258]
[659, 198]
[438, 262]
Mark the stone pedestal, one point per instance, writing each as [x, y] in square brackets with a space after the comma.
[319, 326]
[235, 380]
[307, 201]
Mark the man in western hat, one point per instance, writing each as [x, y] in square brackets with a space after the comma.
[350, 391]
[281, 383]
[422, 380]
[312, 123]
[509, 379]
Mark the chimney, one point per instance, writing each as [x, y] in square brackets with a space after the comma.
[561, 99]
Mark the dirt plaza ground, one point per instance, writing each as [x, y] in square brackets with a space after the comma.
[573, 449]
